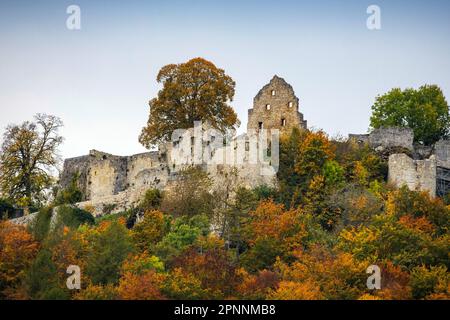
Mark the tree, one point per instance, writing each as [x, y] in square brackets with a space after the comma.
[143, 286]
[271, 232]
[70, 195]
[151, 200]
[109, 249]
[425, 111]
[190, 194]
[150, 230]
[43, 281]
[184, 232]
[193, 91]
[258, 286]
[430, 283]
[29, 153]
[183, 286]
[210, 263]
[17, 251]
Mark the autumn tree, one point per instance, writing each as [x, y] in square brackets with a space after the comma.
[208, 261]
[190, 194]
[271, 232]
[425, 111]
[183, 286]
[193, 91]
[28, 156]
[42, 279]
[150, 230]
[109, 249]
[17, 251]
[145, 286]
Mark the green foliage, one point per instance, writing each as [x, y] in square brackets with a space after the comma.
[72, 194]
[6, 208]
[40, 225]
[264, 192]
[183, 233]
[427, 281]
[262, 255]
[333, 173]
[424, 110]
[73, 217]
[28, 153]
[109, 250]
[42, 280]
[115, 217]
[151, 200]
[289, 179]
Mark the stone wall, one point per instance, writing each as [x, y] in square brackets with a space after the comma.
[415, 174]
[394, 137]
[442, 151]
[101, 174]
[276, 107]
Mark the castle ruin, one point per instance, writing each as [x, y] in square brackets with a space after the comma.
[106, 179]
[120, 181]
[419, 167]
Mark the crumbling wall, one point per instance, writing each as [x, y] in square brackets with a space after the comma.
[392, 137]
[78, 167]
[145, 170]
[276, 107]
[415, 174]
[442, 151]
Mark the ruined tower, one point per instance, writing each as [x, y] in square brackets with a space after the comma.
[275, 107]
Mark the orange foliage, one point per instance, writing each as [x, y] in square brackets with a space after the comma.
[290, 290]
[421, 224]
[270, 220]
[145, 286]
[213, 267]
[257, 287]
[96, 292]
[394, 283]
[338, 275]
[17, 251]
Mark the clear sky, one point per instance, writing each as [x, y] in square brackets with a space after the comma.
[100, 78]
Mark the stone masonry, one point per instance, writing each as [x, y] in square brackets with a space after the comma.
[276, 107]
[419, 167]
[107, 179]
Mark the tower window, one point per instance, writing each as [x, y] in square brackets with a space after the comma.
[290, 104]
[260, 125]
[267, 106]
[273, 92]
[283, 122]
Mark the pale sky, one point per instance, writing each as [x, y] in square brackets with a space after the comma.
[100, 78]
